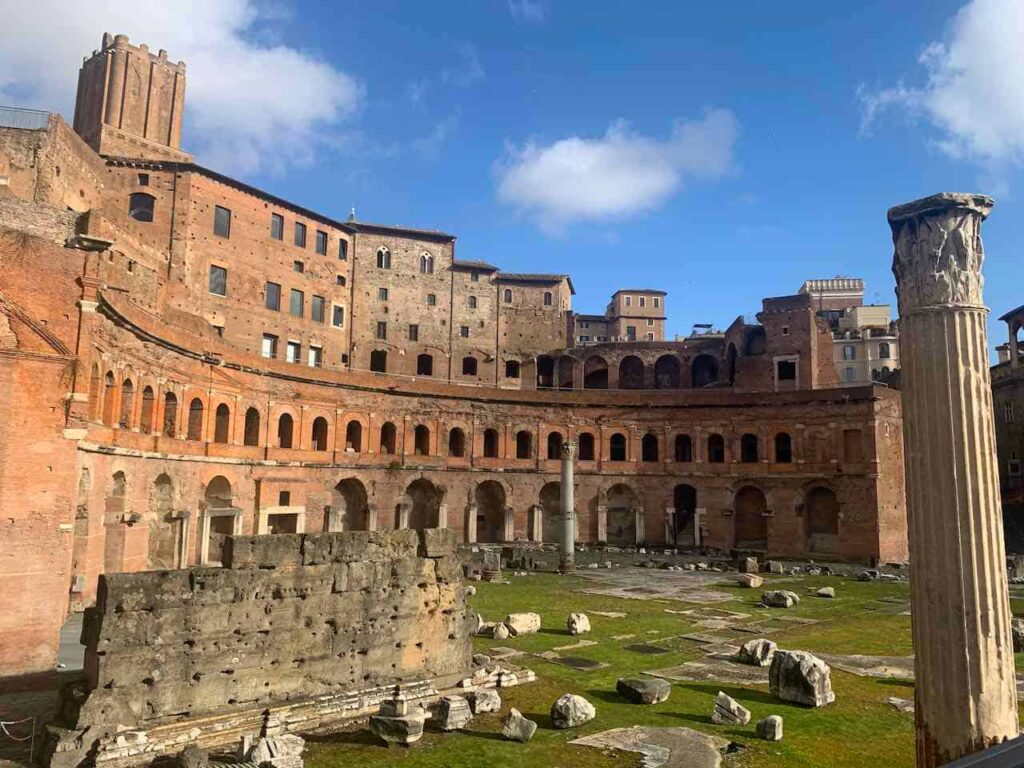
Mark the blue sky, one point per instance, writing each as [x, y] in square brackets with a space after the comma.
[716, 150]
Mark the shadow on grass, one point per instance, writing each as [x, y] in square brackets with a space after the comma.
[740, 694]
[487, 735]
[556, 632]
[895, 682]
[360, 736]
[609, 697]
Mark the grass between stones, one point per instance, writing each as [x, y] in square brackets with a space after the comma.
[859, 729]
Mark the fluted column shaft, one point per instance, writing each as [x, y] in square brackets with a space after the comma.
[567, 554]
[965, 683]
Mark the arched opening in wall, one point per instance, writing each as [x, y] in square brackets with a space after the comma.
[109, 399]
[490, 512]
[512, 369]
[220, 513]
[252, 427]
[195, 419]
[285, 427]
[883, 350]
[586, 446]
[319, 435]
[141, 206]
[221, 424]
[751, 524]
[95, 399]
[754, 343]
[425, 503]
[666, 372]
[545, 372]
[730, 363]
[566, 372]
[551, 508]
[631, 373]
[421, 440]
[379, 361]
[170, 414]
[683, 448]
[649, 447]
[749, 449]
[127, 403]
[822, 509]
[524, 444]
[350, 508]
[426, 264]
[424, 365]
[783, 448]
[456, 442]
[165, 530]
[490, 443]
[354, 437]
[716, 449]
[146, 414]
[621, 521]
[684, 501]
[383, 258]
[114, 524]
[388, 438]
[554, 445]
[595, 373]
[469, 366]
[617, 447]
[703, 371]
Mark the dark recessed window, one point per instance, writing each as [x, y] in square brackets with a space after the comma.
[298, 303]
[474, 276]
[548, 299]
[298, 266]
[284, 499]
[472, 302]
[272, 299]
[343, 250]
[508, 295]
[382, 294]
[321, 243]
[341, 279]
[218, 280]
[512, 369]
[414, 332]
[338, 317]
[317, 309]
[382, 330]
[431, 300]
[221, 221]
[143, 179]
[300, 234]
[277, 226]
[141, 206]
[464, 331]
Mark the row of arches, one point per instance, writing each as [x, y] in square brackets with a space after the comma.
[566, 372]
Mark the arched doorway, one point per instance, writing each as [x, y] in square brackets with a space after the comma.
[219, 519]
[551, 504]
[703, 371]
[350, 510]
[631, 373]
[621, 522]
[595, 373]
[666, 372]
[684, 501]
[545, 372]
[751, 525]
[114, 523]
[490, 512]
[424, 504]
[566, 372]
[822, 509]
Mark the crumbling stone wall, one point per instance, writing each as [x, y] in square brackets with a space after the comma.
[288, 617]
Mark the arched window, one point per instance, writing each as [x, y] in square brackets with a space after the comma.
[421, 441]
[748, 448]
[617, 447]
[285, 424]
[469, 366]
[109, 399]
[426, 264]
[195, 419]
[631, 373]
[783, 448]
[95, 399]
[684, 448]
[141, 206]
[586, 446]
[511, 369]
[545, 372]
[319, 434]
[388, 438]
[170, 414]
[883, 350]
[221, 424]
[649, 447]
[383, 258]
[127, 403]
[354, 437]
[524, 444]
[252, 427]
[507, 295]
[456, 442]
[554, 445]
[146, 417]
[490, 443]
[424, 365]
[716, 449]
[472, 302]
[548, 300]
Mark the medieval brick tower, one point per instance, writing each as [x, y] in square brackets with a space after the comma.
[130, 102]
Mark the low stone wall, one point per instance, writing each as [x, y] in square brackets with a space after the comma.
[289, 620]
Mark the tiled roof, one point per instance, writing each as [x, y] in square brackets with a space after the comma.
[483, 266]
[535, 277]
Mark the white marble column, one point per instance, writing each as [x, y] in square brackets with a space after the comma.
[966, 691]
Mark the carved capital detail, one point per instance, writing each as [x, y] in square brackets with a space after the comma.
[569, 450]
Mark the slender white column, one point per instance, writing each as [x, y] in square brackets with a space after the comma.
[966, 691]
[567, 556]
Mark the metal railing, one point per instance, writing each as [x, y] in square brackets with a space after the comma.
[28, 119]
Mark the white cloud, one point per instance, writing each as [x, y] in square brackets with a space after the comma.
[252, 103]
[529, 11]
[619, 174]
[973, 93]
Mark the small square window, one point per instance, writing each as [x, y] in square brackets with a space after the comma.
[1013, 467]
[431, 300]
[221, 221]
[321, 242]
[786, 370]
[277, 226]
[218, 280]
[284, 499]
[298, 266]
[382, 294]
[340, 279]
[300, 234]
[464, 331]
[785, 330]
[143, 179]
[650, 323]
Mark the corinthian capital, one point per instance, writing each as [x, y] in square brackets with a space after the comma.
[569, 451]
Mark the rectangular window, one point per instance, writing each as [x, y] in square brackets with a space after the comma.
[786, 370]
[269, 347]
[584, 338]
[297, 305]
[1008, 412]
[277, 226]
[221, 221]
[849, 352]
[143, 179]
[294, 352]
[340, 280]
[338, 317]
[650, 323]
[629, 301]
[382, 329]
[300, 234]
[316, 357]
[643, 301]
[850, 375]
[321, 242]
[472, 302]
[218, 280]
[284, 499]
[650, 337]
[382, 294]
[631, 333]
[464, 331]
[298, 266]
[272, 298]
[785, 330]
[431, 299]
[317, 309]
[474, 276]
[657, 302]
[414, 332]
[343, 250]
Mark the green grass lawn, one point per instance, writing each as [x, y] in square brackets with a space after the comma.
[859, 729]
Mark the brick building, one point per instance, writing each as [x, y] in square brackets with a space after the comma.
[185, 356]
[1008, 406]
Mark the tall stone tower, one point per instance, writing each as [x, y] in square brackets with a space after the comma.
[130, 102]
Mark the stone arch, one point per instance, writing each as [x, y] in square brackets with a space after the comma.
[631, 373]
[783, 448]
[127, 404]
[222, 424]
[550, 499]
[649, 447]
[585, 443]
[285, 430]
[703, 371]
[667, 372]
[618, 447]
[595, 373]
[114, 518]
[218, 525]
[456, 442]
[749, 448]
[621, 520]
[490, 443]
[490, 512]
[716, 449]
[470, 366]
[95, 396]
[545, 371]
[354, 436]
[350, 508]
[388, 438]
[424, 500]
[252, 427]
[421, 440]
[749, 520]
[195, 419]
[684, 502]
[683, 448]
[318, 434]
[109, 398]
[147, 412]
[524, 444]
[555, 441]
[424, 364]
[566, 372]
[821, 508]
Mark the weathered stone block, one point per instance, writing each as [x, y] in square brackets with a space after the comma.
[282, 550]
[436, 542]
[802, 678]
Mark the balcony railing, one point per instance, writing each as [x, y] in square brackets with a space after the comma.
[28, 119]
